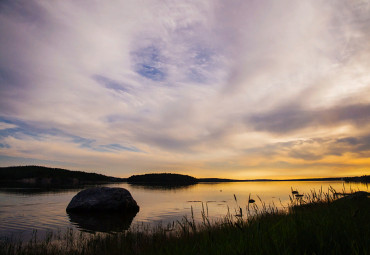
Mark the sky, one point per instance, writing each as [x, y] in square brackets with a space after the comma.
[234, 89]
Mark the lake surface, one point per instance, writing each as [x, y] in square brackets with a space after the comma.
[23, 211]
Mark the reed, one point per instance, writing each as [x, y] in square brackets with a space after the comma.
[314, 223]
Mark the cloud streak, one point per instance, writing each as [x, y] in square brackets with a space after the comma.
[292, 118]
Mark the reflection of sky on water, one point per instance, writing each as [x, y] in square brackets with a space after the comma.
[20, 213]
[168, 205]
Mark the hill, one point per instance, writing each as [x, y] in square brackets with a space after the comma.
[45, 176]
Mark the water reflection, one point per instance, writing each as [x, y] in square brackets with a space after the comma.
[161, 186]
[22, 210]
[37, 191]
[102, 222]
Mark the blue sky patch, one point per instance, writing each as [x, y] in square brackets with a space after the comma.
[83, 142]
[201, 64]
[110, 84]
[118, 147]
[149, 63]
[195, 75]
[4, 145]
[150, 72]
[21, 128]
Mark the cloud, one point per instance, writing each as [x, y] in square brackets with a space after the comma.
[133, 85]
[148, 63]
[111, 84]
[24, 131]
[293, 118]
[4, 125]
[357, 144]
[117, 147]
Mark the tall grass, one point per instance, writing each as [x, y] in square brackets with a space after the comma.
[314, 223]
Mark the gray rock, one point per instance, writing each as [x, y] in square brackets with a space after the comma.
[103, 199]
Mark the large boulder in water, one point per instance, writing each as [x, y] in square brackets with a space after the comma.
[103, 199]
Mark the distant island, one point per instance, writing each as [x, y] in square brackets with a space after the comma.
[40, 176]
[162, 179]
[176, 179]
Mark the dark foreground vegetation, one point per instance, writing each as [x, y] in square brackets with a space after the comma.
[316, 223]
[39, 176]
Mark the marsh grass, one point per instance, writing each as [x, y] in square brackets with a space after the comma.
[314, 223]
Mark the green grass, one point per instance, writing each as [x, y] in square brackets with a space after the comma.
[313, 224]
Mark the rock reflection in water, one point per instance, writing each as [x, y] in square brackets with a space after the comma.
[102, 222]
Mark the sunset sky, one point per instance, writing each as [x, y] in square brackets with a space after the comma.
[211, 88]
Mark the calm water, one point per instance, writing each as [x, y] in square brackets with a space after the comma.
[21, 212]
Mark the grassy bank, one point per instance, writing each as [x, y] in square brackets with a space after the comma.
[312, 224]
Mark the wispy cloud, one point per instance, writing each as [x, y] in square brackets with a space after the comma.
[4, 125]
[293, 118]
